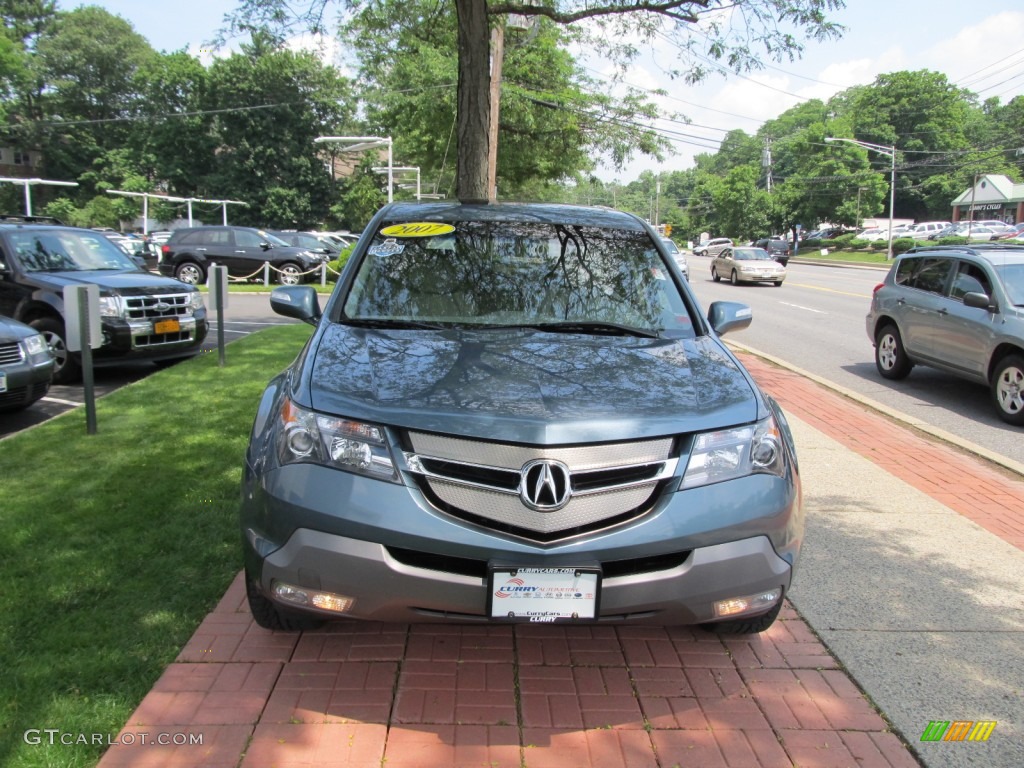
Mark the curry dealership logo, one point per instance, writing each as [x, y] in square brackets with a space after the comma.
[958, 730]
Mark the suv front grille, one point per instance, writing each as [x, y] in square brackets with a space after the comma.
[157, 307]
[480, 482]
[10, 353]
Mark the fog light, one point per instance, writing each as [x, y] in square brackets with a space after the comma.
[759, 602]
[325, 601]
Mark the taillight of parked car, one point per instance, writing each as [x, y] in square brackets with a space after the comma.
[875, 289]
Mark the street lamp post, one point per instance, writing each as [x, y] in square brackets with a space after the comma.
[889, 152]
[357, 143]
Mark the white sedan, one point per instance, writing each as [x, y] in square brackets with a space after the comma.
[747, 265]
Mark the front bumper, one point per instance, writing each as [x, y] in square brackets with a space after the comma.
[138, 339]
[404, 561]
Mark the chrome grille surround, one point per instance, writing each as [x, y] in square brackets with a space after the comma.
[483, 481]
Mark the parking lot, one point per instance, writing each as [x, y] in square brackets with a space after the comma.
[246, 313]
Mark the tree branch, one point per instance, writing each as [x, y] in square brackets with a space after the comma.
[680, 10]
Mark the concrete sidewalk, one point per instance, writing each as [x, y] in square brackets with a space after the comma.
[912, 575]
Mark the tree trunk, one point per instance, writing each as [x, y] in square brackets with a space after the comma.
[474, 101]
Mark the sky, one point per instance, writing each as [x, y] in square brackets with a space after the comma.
[980, 48]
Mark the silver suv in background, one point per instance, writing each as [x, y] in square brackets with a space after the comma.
[959, 309]
[712, 247]
[517, 413]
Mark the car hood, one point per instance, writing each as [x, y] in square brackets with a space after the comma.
[111, 283]
[527, 386]
[12, 330]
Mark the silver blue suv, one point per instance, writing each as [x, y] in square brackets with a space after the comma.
[517, 413]
[959, 309]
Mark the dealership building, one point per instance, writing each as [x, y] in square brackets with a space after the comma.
[993, 196]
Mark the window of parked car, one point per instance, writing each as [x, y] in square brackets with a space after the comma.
[928, 274]
[970, 278]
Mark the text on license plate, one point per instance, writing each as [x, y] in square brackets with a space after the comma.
[544, 594]
[167, 326]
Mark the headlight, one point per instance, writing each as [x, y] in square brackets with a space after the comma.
[195, 301]
[110, 306]
[732, 453]
[307, 437]
[35, 346]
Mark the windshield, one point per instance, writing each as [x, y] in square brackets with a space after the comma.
[68, 250]
[751, 254]
[505, 273]
[1012, 276]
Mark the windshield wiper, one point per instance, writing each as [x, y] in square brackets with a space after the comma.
[380, 322]
[595, 327]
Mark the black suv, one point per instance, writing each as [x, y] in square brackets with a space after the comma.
[144, 316]
[190, 252]
[777, 248]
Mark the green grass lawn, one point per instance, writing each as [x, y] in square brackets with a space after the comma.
[115, 546]
[857, 257]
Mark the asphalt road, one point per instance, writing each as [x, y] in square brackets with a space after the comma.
[815, 321]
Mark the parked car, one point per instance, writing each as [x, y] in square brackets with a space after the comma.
[872, 233]
[959, 309]
[677, 256]
[517, 413]
[979, 232]
[924, 229]
[144, 316]
[311, 242]
[746, 264]
[950, 231]
[777, 248]
[1015, 231]
[712, 247]
[190, 252]
[26, 365]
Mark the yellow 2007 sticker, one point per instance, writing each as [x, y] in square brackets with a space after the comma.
[417, 229]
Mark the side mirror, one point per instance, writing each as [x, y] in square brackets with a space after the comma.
[266, 246]
[296, 301]
[979, 301]
[726, 316]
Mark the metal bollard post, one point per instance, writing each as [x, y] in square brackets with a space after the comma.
[323, 274]
[266, 273]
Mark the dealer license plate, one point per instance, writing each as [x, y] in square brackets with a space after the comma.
[167, 326]
[544, 595]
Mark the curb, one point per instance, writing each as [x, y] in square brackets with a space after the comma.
[920, 426]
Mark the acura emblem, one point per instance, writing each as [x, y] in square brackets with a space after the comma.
[544, 485]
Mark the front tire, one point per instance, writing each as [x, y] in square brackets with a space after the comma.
[189, 272]
[714, 274]
[890, 357]
[289, 274]
[1008, 389]
[269, 616]
[745, 626]
[66, 370]
[734, 278]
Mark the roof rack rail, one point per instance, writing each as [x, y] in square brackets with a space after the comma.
[17, 218]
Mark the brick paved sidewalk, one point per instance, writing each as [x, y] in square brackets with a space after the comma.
[989, 495]
[438, 696]
[359, 694]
